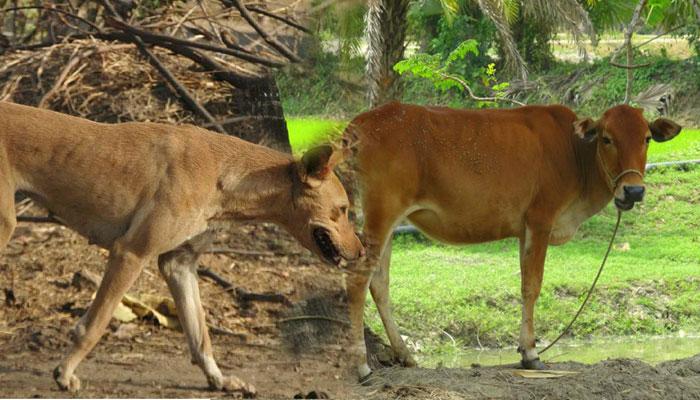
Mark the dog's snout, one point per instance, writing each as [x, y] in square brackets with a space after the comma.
[634, 193]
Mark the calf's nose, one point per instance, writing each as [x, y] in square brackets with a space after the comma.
[634, 193]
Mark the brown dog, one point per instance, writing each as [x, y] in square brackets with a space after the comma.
[466, 176]
[145, 191]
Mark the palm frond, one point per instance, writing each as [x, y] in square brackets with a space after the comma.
[494, 10]
[567, 14]
[450, 9]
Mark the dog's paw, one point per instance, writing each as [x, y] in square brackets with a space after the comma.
[232, 384]
[70, 383]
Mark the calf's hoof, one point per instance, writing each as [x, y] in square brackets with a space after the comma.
[535, 363]
[70, 383]
[407, 361]
[231, 384]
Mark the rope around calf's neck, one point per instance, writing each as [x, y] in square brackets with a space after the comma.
[600, 270]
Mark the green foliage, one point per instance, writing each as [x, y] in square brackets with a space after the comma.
[438, 69]
[327, 87]
[600, 85]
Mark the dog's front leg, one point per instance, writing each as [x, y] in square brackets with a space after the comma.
[179, 268]
[122, 269]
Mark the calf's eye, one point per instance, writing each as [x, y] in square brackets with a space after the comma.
[606, 140]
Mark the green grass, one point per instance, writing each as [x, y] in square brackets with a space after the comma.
[684, 147]
[650, 286]
[304, 133]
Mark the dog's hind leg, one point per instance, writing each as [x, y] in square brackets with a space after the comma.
[8, 220]
[123, 268]
[179, 268]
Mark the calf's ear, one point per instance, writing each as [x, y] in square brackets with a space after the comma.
[586, 129]
[663, 129]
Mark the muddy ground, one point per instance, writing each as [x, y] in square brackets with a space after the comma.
[280, 346]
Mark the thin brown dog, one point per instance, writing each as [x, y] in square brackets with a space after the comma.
[148, 191]
[465, 176]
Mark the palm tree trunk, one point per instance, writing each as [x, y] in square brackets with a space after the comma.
[629, 51]
[385, 32]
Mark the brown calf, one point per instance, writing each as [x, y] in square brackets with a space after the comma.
[465, 176]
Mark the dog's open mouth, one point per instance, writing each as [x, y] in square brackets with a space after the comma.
[324, 242]
[624, 205]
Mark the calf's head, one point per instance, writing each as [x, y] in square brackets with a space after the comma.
[319, 208]
[622, 137]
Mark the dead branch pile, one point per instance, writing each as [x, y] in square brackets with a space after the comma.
[107, 82]
[201, 62]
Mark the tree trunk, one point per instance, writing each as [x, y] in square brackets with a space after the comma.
[385, 32]
[629, 32]
[263, 120]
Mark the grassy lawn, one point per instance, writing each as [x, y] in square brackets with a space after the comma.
[307, 132]
[650, 286]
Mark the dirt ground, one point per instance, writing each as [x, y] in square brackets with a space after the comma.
[290, 347]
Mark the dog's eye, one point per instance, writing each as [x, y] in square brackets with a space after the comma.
[344, 210]
[606, 140]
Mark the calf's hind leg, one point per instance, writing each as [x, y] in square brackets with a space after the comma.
[179, 268]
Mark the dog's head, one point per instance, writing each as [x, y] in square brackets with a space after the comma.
[319, 209]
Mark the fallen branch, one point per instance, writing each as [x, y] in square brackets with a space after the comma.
[223, 331]
[241, 294]
[287, 21]
[74, 60]
[314, 317]
[222, 250]
[218, 71]
[48, 219]
[475, 97]
[274, 43]
[180, 90]
[158, 39]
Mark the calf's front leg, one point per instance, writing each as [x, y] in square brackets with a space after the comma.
[533, 250]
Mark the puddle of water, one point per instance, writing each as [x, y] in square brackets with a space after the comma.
[652, 350]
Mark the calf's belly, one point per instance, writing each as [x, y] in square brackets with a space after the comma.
[460, 228]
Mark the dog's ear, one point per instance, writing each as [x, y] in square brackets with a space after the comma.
[586, 129]
[317, 163]
[664, 129]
